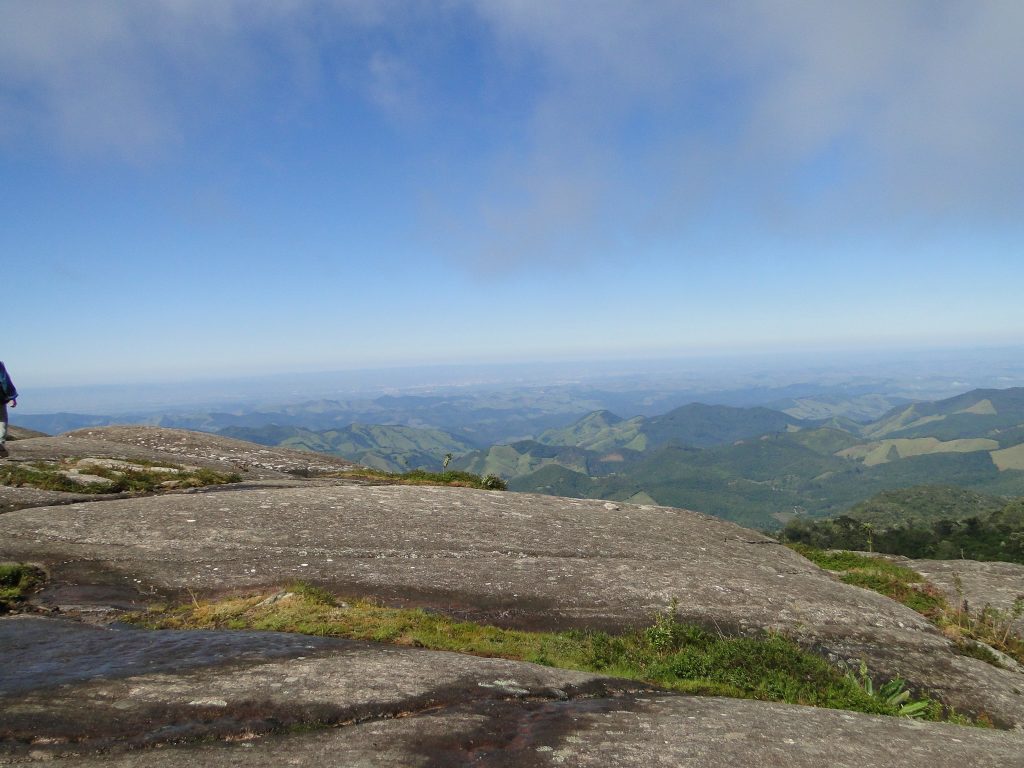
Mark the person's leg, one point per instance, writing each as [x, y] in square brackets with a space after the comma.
[3, 426]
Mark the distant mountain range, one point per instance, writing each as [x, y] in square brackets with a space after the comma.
[761, 467]
[756, 465]
[695, 425]
[483, 417]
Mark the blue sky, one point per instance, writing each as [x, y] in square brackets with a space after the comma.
[218, 187]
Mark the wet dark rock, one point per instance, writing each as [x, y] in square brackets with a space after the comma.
[43, 653]
[138, 686]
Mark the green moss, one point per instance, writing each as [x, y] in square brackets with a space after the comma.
[977, 651]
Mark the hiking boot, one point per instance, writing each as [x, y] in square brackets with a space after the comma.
[3, 451]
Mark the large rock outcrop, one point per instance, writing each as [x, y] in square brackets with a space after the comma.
[512, 559]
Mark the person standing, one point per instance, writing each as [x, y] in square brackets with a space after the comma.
[8, 394]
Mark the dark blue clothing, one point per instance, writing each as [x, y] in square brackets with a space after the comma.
[7, 389]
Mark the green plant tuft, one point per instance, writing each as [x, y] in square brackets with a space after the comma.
[16, 581]
[893, 694]
[313, 593]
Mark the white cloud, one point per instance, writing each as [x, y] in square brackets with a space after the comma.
[393, 86]
[923, 101]
[125, 80]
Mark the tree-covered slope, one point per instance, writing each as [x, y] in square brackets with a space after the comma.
[705, 426]
[765, 482]
[390, 448]
[936, 522]
[980, 413]
[924, 504]
[695, 425]
[527, 456]
[599, 431]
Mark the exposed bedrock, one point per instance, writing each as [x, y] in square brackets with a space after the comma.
[513, 559]
[129, 698]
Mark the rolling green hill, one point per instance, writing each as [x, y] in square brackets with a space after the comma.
[694, 425]
[825, 440]
[556, 480]
[767, 483]
[863, 408]
[893, 449]
[599, 431]
[981, 413]
[762, 468]
[527, 456]
[756, 466]
[389, 448]
[747, 483]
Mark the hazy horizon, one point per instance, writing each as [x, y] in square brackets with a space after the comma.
[939, 371]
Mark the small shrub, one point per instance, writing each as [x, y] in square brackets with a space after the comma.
[988, 627]
[667, 633]
[16, 581]
[494, 483]
[422, 477]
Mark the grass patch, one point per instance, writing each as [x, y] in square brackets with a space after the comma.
[16, 581]
[992, 626]
[668, 653]
[894, 581]
[137, 476]
[989, 626]
[37, 475]
[422, 477]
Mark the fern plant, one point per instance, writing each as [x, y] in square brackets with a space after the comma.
[893, 693]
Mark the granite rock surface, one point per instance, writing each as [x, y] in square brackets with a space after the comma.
[511, 559]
